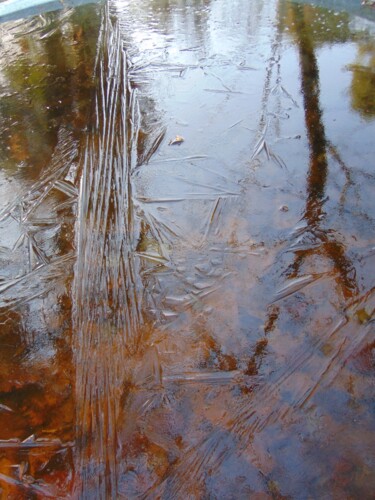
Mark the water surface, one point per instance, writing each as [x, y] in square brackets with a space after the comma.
[190, 317]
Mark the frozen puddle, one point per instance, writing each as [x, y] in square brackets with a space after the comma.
[187, 252]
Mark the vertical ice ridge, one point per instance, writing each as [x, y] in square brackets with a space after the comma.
[107, 312]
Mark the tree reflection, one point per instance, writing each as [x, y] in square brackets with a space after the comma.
[46, 79]
[363, 80]
[318, 169]
[47, 85]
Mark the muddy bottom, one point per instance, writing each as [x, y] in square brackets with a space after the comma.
[187, 251]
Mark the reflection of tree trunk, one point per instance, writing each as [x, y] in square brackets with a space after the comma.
[313, 116]
[318, 170]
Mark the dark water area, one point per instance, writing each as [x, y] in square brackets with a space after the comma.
[187, 251]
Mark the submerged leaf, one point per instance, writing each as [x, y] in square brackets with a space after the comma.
[176, 141]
